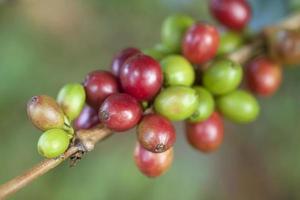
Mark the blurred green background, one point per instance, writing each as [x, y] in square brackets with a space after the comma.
[45, 44]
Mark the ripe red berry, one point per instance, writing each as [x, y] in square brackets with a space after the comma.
[87, 118]
[207, 135]
[156, 133]
[99, 85]
[120, 112]
[121, 58]
[234, 14]
[152, 164]
[141, 77]
[263, 76]
[200, 43]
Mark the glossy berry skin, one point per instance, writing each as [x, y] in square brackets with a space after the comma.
[120, 112]
[234, 14]
[53, 143]
[71, 98]
[200, 43]
[177, 71]
[222, 76]
[45, 113]
[152, 164]
[263, 76]
[156, 133]
[141, 77]
[176, 103]
[88, 118]
[239, 106]
[99, 85]
[206, 105]
[208, 135]
[173, 30]
[121, 58]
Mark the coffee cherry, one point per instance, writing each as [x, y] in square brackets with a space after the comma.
[53, 143]
[121, 58]
[177, 71]
[200, 43]
[263, 76]
[45, 113]
[176, 103]
[157, 52]
[222, 76]
[229, 42]
[173, 30]
[152, 164]
[156, 133]
[206, 105]
[141, 77]
[120, 112]
[238, 106]
[88, 118]
[234, 14]
[206, 136]
[99, 85]
[71, 98]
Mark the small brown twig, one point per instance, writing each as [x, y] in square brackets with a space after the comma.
[86, 139]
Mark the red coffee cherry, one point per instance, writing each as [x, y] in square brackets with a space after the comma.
[99, 85]
[156, 133]
[121, 58]
[87, 118]
[152, 164]
[207, 135]
[200, 43]
[263, 76]
[234, 14]
[141, 77]
[120, 112]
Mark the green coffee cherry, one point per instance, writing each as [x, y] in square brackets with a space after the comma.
[206, 105]
[239, 106]
[222, 76]
[53, 143]
[177, 71]
[71, 98]
[229, 42]
[176, 103]
[157, 52]
[173, 30]
[45, 113]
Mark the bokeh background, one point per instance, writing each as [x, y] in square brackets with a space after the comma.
[45, 44]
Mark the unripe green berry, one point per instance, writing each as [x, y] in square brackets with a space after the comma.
[157, 52]
[177, 71]
[222, 76]
[71, 98]
[173, 30]
[206, 105]
[239, 106]
[45, 113]
[176, 103]
[53, 143]
[229, 42]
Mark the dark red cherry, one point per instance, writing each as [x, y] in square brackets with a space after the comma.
[120, 59]
[200, 43]
[156, 133]
[99, 85]
[87, 118]
[207, 135]
[263, 76]
[120, 112]
[152, 164]
[234, 14]
[141, 77]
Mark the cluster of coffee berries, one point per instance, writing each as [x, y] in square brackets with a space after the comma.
[187, 77]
